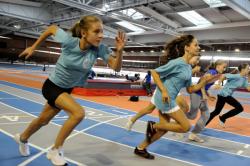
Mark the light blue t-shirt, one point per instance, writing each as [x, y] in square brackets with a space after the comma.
[234, 81]
[175, 75]
[74, 64]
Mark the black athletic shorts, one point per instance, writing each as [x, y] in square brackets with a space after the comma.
[51, 91]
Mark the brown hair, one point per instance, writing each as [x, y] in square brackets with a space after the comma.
[243, 66]
[84, 24]
[176, 48]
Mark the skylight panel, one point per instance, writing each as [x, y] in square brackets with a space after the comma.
[195, 18]
[214, 3]
[132, 13]
[130, 26]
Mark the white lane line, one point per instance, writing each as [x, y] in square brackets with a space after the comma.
[212, 137]
[39, 148]
[167, 157]
[246, 146]
[229, 132]
[165, 138]
[39, 154]
[103, 122]
[13, 116]
[240, 152]
[190, 143]
[174, 140]
[120, 112]
[145, 122]
[75, 162]
[183, 161]
[132, 112]
[111, 106]
[76, 96]
[14, 123]
[54, 120]
[71, 136]
[8, 98]
[100, 117]
[88, 112]
[18, 113]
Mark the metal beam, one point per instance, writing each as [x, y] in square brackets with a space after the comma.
[12, 29]
[144, 33]
[81, 6]
[215, 26]
[89, 2]
[227, 34]
[155, 38]
[34, 14]
[231, 34]
[28, 13]
[125, 5]
[158, 16]
[225, 42]
[31, 35]
[109, 32]
[116, 16]
[241, 6]
[221, 14]
[7, 27]
[14, 21]
[196, 8]
[23, 2]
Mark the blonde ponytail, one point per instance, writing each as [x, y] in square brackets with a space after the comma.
[83, 24]
[76, 30]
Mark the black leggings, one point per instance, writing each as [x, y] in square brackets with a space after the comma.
[220, 104]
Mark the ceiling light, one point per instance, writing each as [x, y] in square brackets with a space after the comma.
[130, 26]
[214, 3]
[194, 18]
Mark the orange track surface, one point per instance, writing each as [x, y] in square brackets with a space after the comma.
[235, 125]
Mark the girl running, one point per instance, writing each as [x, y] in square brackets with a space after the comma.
[234, 81]
[199, 101]
[170, 78]
[80, 49]
[180, 101]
